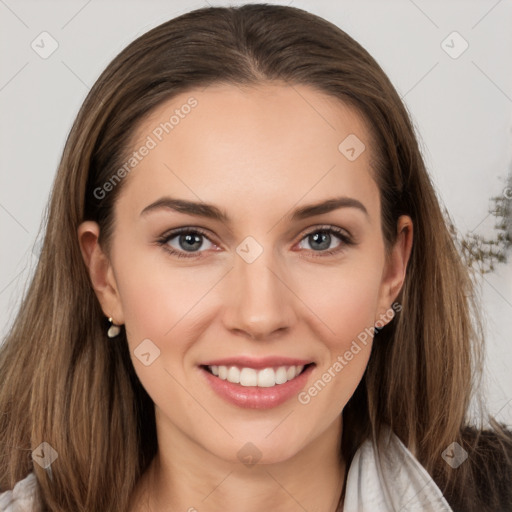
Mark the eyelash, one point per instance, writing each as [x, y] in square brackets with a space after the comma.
[164, 239]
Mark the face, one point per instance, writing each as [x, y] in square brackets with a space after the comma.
[219, 265]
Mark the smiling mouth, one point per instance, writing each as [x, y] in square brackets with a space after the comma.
[262, 378]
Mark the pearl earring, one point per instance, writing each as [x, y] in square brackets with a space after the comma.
[114, 329]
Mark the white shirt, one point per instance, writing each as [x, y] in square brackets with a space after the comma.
[389, 479]
[23, 498]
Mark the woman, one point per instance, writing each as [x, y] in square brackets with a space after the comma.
[189, 347]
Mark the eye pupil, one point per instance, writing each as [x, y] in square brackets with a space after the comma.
[191, 240]
[324, 237]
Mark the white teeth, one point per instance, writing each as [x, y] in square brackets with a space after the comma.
[264, 378]
[223, 372]
[248, 377]
[281, 377]
[234, 375]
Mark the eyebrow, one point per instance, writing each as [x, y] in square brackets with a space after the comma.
[211, 211]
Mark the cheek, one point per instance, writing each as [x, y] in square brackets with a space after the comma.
[344, 297]
[348, 314]
[157, 303]
[155, 297]
[165, 304]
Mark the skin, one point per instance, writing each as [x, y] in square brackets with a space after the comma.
[257, 153]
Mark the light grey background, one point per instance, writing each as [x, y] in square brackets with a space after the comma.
[461, 107]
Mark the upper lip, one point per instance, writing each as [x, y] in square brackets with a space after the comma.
[257, 363]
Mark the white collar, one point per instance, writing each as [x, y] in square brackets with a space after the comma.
[390, 479]
[24, 497]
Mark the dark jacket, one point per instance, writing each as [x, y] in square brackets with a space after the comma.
[490, 486]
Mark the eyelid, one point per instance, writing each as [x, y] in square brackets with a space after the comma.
[325, 227]
[343, 235]
[173, 233]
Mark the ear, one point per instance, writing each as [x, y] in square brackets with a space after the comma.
[395, 269]
[100, 271]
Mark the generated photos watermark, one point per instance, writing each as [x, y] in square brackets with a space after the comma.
[304, 397]
[151, 142]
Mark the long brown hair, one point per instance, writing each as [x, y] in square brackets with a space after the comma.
[66, 384]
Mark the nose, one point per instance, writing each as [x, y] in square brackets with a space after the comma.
[259, 301]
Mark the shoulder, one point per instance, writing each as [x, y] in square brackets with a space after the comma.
[23, 497]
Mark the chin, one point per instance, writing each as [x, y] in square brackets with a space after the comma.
[259, 450]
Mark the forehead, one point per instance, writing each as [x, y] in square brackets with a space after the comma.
[251, 146]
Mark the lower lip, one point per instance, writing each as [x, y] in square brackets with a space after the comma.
[254, 397]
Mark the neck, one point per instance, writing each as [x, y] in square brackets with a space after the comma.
[192, 480]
